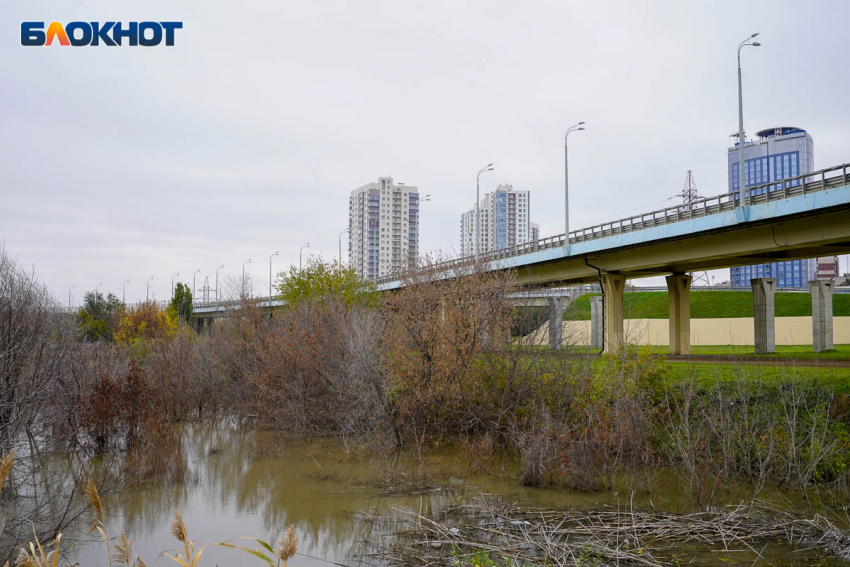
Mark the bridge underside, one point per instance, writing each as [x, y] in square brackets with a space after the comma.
[823, 233]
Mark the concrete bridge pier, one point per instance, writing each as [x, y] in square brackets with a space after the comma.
[596, 324]
[556, 322]
[822, 314]
[679, 308]
[613, 286]
[764, 314]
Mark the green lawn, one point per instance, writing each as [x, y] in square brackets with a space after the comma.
[707, 374]
[709, 305]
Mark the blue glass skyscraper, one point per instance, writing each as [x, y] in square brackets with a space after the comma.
[778, 153]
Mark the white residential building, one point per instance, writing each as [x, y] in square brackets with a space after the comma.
[504, 221]
[383, 222]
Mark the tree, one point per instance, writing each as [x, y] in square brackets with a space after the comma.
[181, 303]
[147, 321]
[320, 280]
[98, 315]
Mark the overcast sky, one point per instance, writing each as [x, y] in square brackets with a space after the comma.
[248, 135]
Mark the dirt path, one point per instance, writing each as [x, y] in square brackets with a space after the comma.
[727, 359]
[759, 360]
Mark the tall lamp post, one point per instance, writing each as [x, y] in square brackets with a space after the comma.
[741, 177]
[124, 291]
[96, 288]
[148, 289]
[69, 296]
[194, 284]
[340, 244]
[299, 255]
[489, 167]
[248, 261]
[567, 185]
[177, 275]
[277, 253]
[216, 281]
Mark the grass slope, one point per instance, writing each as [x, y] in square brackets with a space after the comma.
[709, 305]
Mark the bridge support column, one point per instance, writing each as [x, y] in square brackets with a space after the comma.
[679, 313]
[613, 286]
[556, 322]
[821, 314]
[764, 322]
[596, 324]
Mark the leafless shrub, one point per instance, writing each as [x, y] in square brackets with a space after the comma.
[318, 372]
[780, 434]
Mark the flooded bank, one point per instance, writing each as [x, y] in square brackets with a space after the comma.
[243, 482]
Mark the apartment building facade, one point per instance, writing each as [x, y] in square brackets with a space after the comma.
[505, 221]
[383, 222]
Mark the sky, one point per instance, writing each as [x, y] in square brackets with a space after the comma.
[248, 135]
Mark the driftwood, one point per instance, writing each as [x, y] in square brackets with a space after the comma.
[515, 535]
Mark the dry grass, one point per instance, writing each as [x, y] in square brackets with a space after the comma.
[287, 545]
[527, 536]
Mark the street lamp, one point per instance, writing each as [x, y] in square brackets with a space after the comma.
[741, 176]
[248, 261]
[299, 255]
[177, 275]
[277, 253]
[96, 288]
[124, 291]
[148, 289]
[488, 167]
[69, 296]
[216, 281]
[567, 185]
[340, 244]
[194, 284]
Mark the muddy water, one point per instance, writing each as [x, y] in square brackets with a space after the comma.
[241, 482]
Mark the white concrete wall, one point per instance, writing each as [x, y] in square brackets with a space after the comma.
[728, 331]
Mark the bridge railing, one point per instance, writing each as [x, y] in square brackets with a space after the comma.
[772, 191]
[224, 304]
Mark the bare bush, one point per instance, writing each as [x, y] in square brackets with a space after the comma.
[780, 434]
[318, 372]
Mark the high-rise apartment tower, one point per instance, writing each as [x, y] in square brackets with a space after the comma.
[504, 221]
[383, 222]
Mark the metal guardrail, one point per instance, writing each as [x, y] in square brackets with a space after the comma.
[758, 194]
[265, 301]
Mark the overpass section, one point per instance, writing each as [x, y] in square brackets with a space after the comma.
[800, 217]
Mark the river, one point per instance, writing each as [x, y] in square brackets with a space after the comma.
[244, 482]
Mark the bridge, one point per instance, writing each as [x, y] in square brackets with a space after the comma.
[799, 217]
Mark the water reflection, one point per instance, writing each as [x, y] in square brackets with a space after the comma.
[244, 482]
[240, 481]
